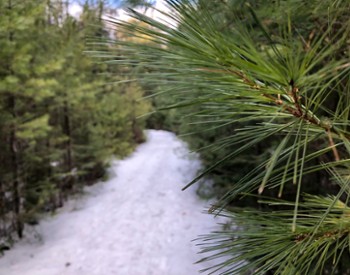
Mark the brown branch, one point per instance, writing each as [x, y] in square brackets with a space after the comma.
[344, 66]
[296, 99]
[334, 234]
[295, 110]
[308, 43]
[331, 143]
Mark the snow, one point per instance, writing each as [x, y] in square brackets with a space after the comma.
[138, 222]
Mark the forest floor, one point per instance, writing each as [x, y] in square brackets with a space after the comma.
[139, 222]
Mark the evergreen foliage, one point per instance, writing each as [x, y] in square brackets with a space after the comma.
[59, 122]
[268, 80]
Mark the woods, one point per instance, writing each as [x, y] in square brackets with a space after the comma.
[60, 121]
[261, 89]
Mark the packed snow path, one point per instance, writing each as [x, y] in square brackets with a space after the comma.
[137, 223]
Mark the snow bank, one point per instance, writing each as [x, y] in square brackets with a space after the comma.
[139, 222]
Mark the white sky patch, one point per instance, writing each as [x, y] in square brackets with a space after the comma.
[155, 13]
[75, 9]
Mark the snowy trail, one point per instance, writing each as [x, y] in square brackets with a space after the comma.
[137, 223]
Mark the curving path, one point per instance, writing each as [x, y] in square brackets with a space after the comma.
[137, 223]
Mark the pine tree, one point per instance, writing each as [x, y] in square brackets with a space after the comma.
[59, 124]
[23, 90]
[279, 74]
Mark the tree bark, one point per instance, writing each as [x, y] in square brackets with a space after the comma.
[16, 174]
[13, 146]
[69, 179]
[67, 132]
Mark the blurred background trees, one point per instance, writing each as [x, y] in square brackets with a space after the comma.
[60, 122]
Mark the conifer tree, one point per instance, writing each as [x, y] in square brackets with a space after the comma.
[23, 89]
[59, 124]
[278, 72]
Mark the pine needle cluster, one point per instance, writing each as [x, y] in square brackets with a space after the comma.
[278, 80]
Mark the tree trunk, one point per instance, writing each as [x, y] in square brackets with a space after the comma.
[13, 145]
[69, 179]
[16, 182]
[2, 211]
[67, 132]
